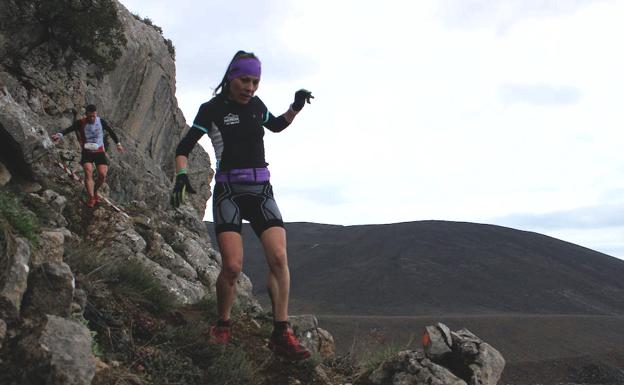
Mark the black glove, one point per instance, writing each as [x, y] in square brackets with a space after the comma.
[301, 97]
[182, 186]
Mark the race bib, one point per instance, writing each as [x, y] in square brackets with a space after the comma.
[91, 146]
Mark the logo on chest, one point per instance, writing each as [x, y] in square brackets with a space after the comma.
[231, 119]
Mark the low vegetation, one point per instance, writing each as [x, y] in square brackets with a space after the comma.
[18, 216]
[90, 27]
[149, 22]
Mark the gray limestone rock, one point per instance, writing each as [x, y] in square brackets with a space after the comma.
[52, 247]
[47, 208]
[186, 216]
[56, 201]
[59, 353]
[481, 361]
[161, 252]
[5, 175]
[244, 287]
[208, 277]
[14, 279]
[457, 358]
[50, 290]
[197, 253]
[3, 331]
[128, 236]
[171, 260]
[79, 302]
[412, 368]
[185, 291]
[26, 138]
[311, 336]
[437, 341]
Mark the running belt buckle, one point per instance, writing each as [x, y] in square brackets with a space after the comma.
[242, 175]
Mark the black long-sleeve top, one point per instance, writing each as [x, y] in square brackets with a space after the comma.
[236, 131]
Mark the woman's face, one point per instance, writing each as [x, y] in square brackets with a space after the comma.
[242, 89]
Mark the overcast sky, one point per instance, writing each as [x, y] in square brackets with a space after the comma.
[505, 112]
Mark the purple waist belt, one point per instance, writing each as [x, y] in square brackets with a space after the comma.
[241, 175]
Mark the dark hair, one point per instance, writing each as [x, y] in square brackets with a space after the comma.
[225, 83]
[91, 108]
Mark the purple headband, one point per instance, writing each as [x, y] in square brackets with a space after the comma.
[244, 66]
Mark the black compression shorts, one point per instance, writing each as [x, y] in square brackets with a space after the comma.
[233, 202]
[94, 157]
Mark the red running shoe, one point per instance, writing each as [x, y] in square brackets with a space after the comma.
[91, 202]
[219, 335]
[287, 345]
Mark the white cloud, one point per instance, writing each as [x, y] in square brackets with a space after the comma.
[465, 110]
[539, 94]
[503, 14]
[595, 217]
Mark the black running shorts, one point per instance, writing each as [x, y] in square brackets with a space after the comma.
[233, 202]
[94, 157]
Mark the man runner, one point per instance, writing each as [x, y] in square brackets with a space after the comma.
[90, 131]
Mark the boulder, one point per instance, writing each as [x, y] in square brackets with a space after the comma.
[58, 352]
[79, 303]
[479, 361]
[25, 140]
[48, 213]
[56, 201]
[198, 254]
[50, 290]
[449, 358]
[412, 368]
[52, 247]
[14, 279]
[171, 260]
[312, 337]
[128, 236]
[184, 291]
[437, 342]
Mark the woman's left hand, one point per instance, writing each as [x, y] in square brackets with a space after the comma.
[301, 97]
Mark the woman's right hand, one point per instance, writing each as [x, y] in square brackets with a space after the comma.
[182, 186]
[56, 137]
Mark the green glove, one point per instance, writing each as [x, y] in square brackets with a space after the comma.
[182, 186]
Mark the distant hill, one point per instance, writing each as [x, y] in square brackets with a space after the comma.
[440, 267]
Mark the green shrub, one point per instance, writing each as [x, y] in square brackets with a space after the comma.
[158, 29]
[229, 365]
[128, 278]
[91, 27]
[133, 280]
[20, 218]
[166, 368]
[96, 349]
[219, 364]
[208, 304]
[372, 359]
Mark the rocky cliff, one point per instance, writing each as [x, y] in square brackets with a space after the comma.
[41, 82]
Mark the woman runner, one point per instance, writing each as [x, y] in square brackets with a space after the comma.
[234, 119]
